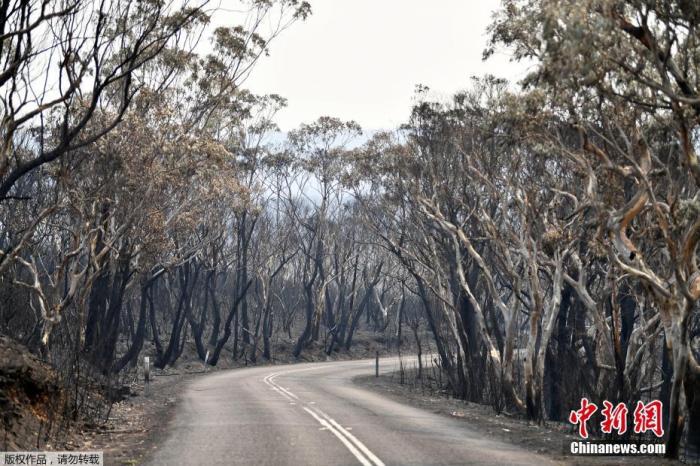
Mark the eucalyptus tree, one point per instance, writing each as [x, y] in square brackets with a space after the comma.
[116, 160]
[319, 153]
[624, 75]
[63, 64]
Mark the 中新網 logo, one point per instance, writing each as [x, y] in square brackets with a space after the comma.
[646, 417]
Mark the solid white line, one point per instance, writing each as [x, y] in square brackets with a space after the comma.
[353, 439]
[272, 381]
[274, 387]
[283, 394]
[345, 442]
[350, 441]
[280, 388]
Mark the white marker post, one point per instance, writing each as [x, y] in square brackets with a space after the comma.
[206, 359]
[146, 373]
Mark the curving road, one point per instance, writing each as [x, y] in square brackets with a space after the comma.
[312, 414]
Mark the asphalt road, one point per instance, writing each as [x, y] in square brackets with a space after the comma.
[312, 414]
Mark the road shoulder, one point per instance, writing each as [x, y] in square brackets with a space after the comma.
[548, 440]
[139, 423]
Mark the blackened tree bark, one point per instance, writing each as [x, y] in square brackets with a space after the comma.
[240, 293]
[370, 283]
[130, 357]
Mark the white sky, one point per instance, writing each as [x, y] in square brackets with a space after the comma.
[361, 59]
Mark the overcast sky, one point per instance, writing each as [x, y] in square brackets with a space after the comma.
[361, 59]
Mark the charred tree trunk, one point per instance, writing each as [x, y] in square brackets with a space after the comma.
[680, 373]
[179, 320]
[442, 350]
[216, 311]
[197, 326]
[109, 328]
[216, 354]
[309, 314]
[267, 330]
[131, 356]
[155, 334]
[691, 387]
[419, 348]
[370, 284]
[339, 336]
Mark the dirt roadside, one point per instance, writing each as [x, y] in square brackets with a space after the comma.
[550, 440]
[137, 424]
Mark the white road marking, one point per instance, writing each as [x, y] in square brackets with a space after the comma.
[275, 388]
[272, 381]
[355, 446]
[353, 439]
[345, 441]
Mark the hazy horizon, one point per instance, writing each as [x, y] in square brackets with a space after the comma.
[368, 73]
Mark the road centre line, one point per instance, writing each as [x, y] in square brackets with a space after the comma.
[272, 380]
[358, 449]
[275, 388]
[352, 438]
[344, 441]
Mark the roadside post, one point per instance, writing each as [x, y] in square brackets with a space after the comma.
[376, 364]
[206, 360]
[146, 374]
